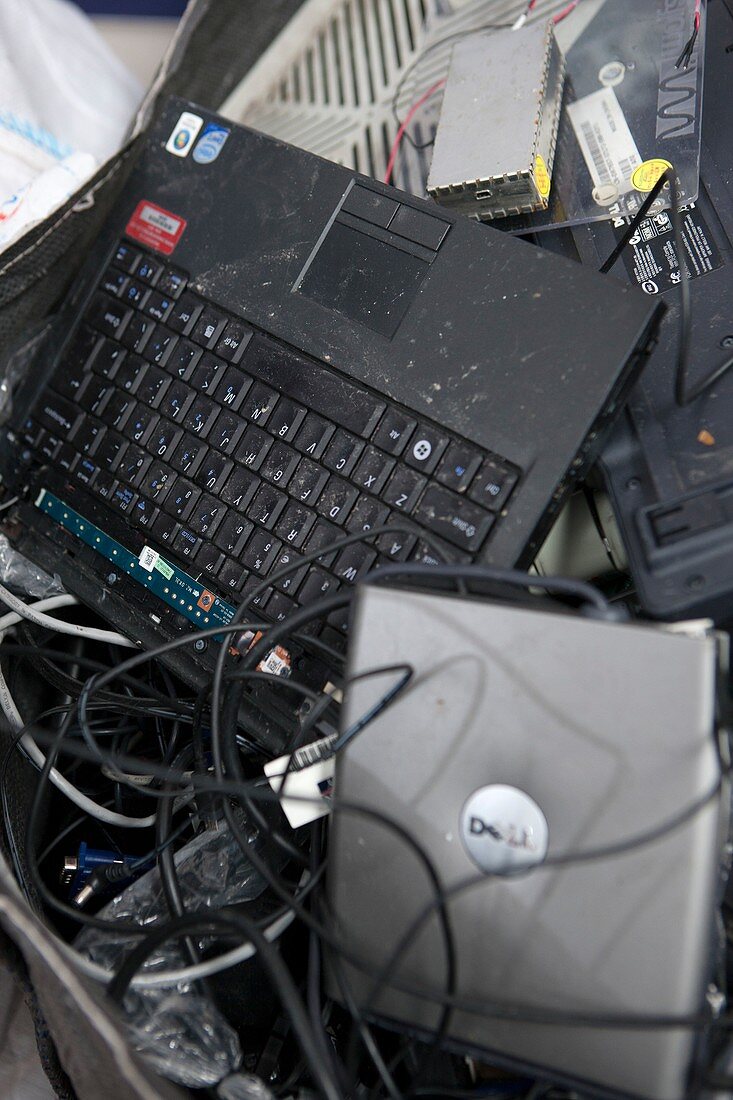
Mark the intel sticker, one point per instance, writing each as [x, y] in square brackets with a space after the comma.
[210, 143]
[184, 134]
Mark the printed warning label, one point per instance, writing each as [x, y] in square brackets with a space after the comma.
[605, 140]
[155, 227]
[651, 257]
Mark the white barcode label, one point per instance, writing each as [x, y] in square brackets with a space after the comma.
[605, 140]
[306, 793]
[148, 558]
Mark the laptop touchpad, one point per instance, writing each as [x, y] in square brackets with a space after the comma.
[367, 280]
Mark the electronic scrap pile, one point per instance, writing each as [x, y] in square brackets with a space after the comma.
[367, 584]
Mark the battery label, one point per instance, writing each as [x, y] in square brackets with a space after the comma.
[605, 140]
[156, 227]
[651, 256]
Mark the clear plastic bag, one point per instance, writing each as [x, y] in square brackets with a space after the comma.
[22, 576]
[629, 112]
[178, 1030]
[243, 1086]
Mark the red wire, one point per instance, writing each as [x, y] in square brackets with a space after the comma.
[698, 5]
[565, 12]
[403, 126]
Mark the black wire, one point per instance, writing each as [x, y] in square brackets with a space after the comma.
[226, 922]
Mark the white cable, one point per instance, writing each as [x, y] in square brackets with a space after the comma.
[157, 979]
[14, 717]
[27, 612]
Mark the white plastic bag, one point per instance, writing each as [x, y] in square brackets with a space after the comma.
[66, 103]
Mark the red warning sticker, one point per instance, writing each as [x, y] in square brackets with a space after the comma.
[155, 227]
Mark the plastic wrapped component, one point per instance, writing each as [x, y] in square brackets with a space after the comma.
[21, 575]
[243, 1086]
[176, 1028]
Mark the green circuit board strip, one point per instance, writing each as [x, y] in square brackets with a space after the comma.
[166, 581]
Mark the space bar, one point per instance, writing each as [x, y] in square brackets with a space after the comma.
[314, 386]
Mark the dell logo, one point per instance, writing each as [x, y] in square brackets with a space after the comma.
[516, 836]
[503, 830]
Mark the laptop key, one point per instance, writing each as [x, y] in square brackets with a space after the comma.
[252, 447]
[201, 416]
[426, 448]
[113, 282]
[207, 514]
[494, 484]
[353, 562]
[267, 506]
[143, 514]
[398, 545]
[373, 469]
[313, 437]
[308, 481]
[180, 500]
[337, 500]
[295, 524]
[366, 514]
[69, 380]
[148, 270]
[233, 388]
[189, 455]
[117, 410]
[209, 558]
[286, 420]
[107, 358]
[176, 401]
[279, 465]
[233, 534]
[157, 481]
[259, 403]
[184, 314]
[130, 373]
[138, 332]
[209, 327]
[182, 360]
[393, 431]
[260, 552]
[133, 466]
[207, 374]
[164, 440]
[141, 424]
[233, 341]
[317, 585]
[165, 528]
[403, 489]
[157, 305]
[127, 257]
[240, 488]
[260, 601]
[110, 450]
[280, 607]
[322, 537]
[173, 281]
[152, 387]
[232, 575]
[108, 315]
[226, 433]
[342, 453]
[123, 499]
[458, 467]
[452, 517]
[160, 345]
[58, 415]
[213, 472]
[186, 543]
[290, 583]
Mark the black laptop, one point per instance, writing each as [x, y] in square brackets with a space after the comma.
[266, 351]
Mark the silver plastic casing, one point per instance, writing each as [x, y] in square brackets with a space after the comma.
[611, 731]
[495, 146]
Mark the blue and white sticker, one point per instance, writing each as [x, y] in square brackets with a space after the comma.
[184, 134]
[210, 144]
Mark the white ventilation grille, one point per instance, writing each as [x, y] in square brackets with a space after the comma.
[328, 81]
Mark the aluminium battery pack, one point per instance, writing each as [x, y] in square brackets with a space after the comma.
[495, 145]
